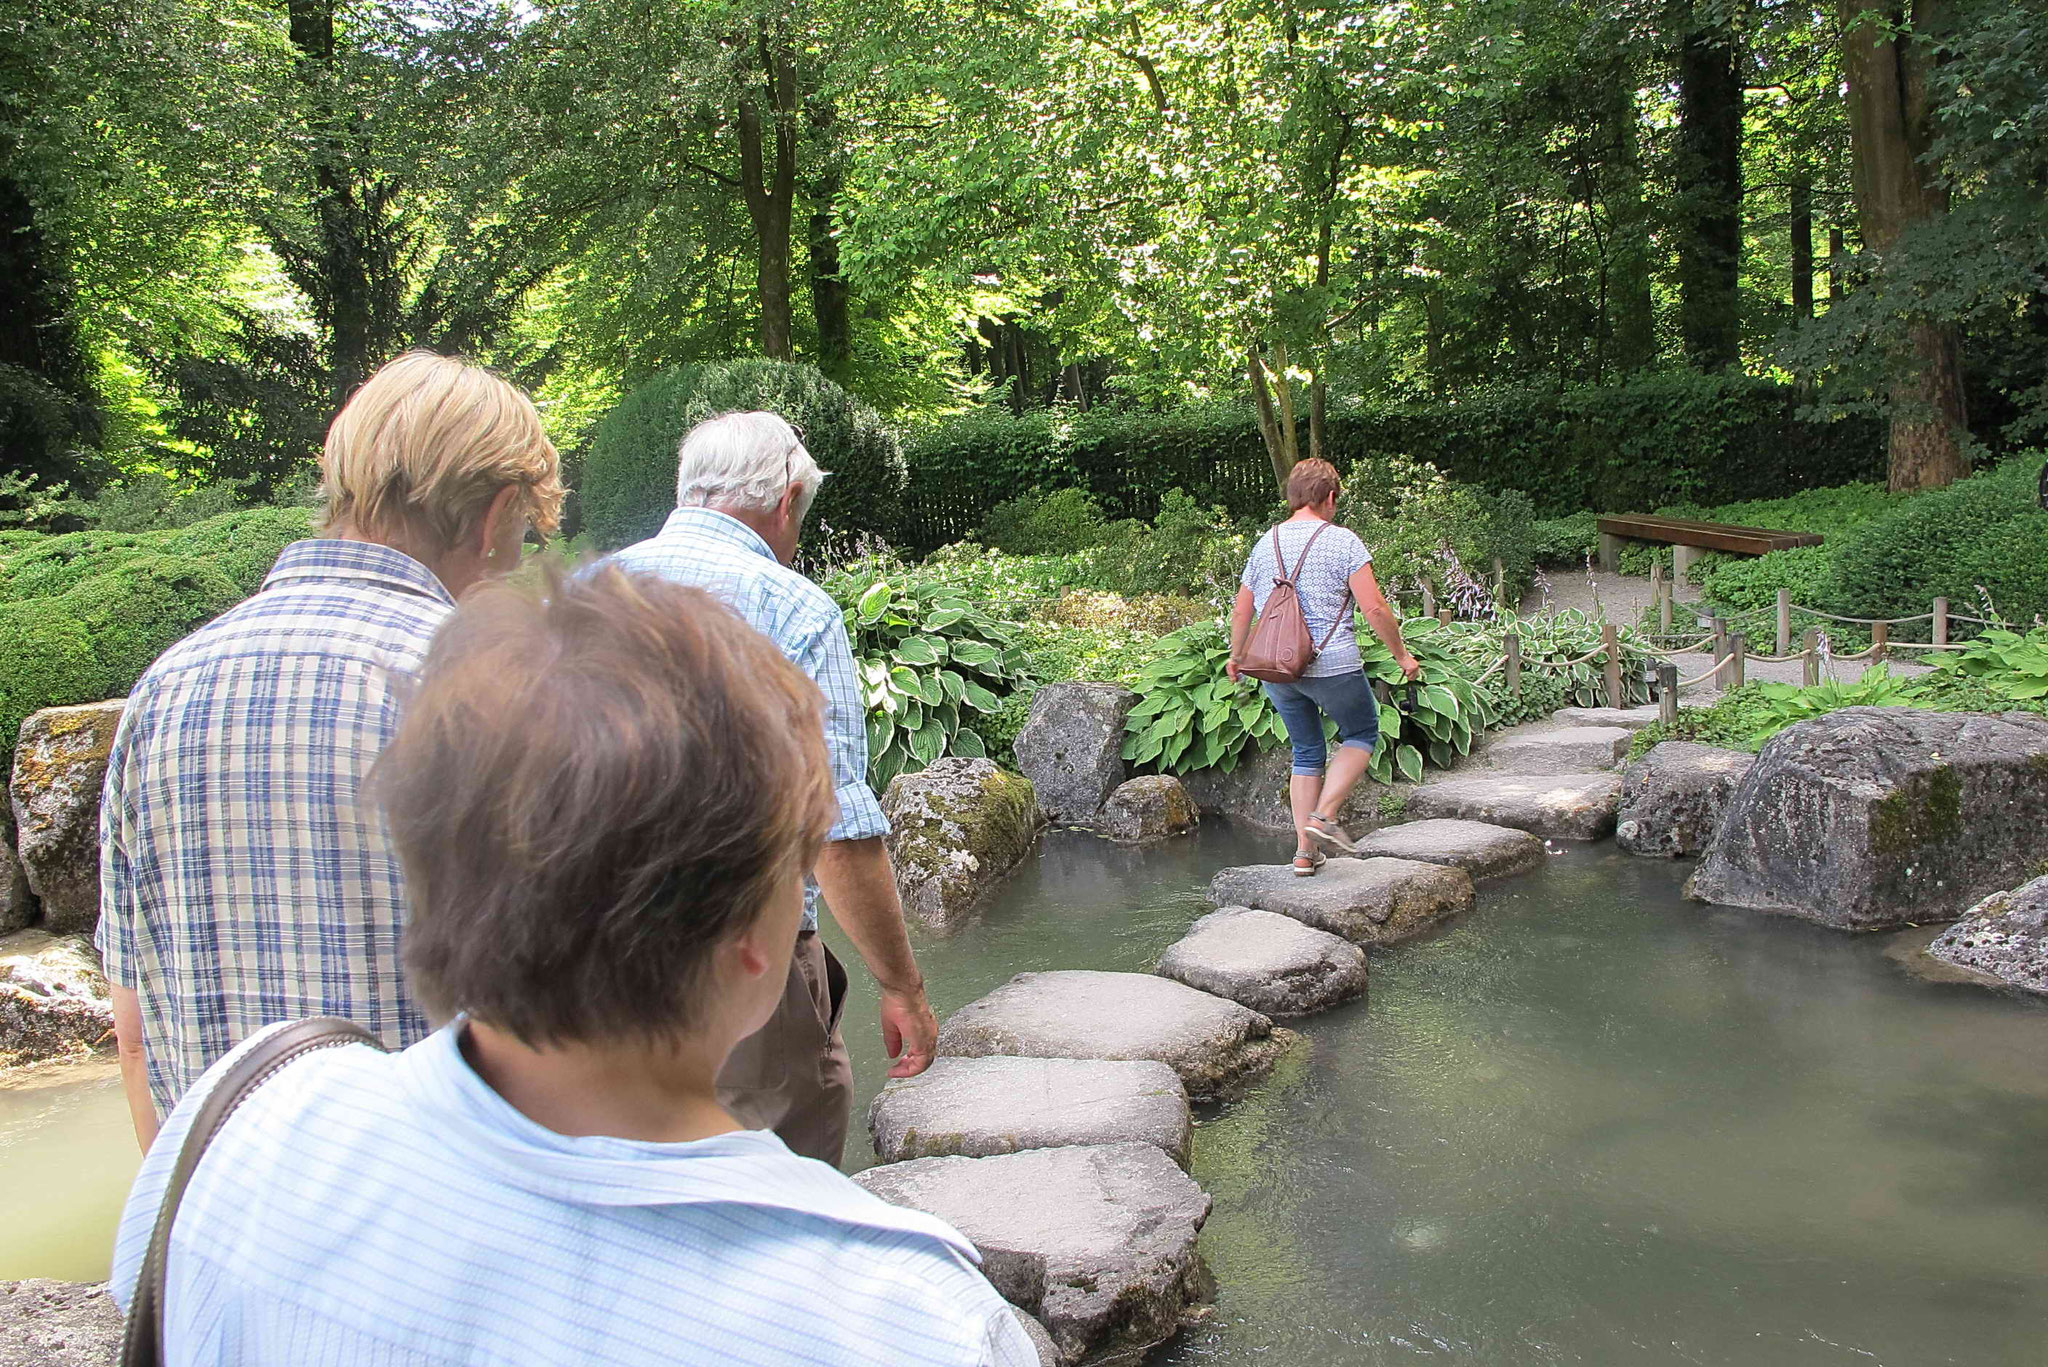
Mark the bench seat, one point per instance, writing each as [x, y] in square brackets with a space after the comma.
[1691, 536]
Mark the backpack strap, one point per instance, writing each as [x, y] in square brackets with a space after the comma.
[1280, 563]
[142, 1340]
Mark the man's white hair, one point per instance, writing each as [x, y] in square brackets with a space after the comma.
[746, 461]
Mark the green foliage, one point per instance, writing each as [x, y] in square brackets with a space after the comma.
[85, 613]
[1058, 523]
[933, 667]
[629, 475]
[1981, 536]
[1410, 516]
[2003, 663]
[1565, 541]
[1189, 549]
[1751, 583]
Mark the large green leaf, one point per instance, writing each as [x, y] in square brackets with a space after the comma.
[978, 698]
[1409, 760]
[929, 741]
[966, 742]
[917, 651]
[875, 601]
[975, 652]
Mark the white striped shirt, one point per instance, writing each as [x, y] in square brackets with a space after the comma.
[391, 1210]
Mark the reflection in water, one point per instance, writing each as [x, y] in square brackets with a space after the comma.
[1589, 1123]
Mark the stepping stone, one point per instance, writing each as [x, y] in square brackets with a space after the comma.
[1369, 902]
[979, 1107]
[1631, 718]
[1266, 961]
[1569, 750]
[1097, 1241]
[1480, 849]
[1563, 806]
[1218, 1047]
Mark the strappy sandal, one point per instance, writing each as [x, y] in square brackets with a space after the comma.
[1306, 862]
[1329, 834]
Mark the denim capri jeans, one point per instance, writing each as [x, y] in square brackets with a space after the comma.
[1345, 698]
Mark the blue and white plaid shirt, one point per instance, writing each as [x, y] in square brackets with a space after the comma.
[719, 553]
[243, 877]
[392, 1210]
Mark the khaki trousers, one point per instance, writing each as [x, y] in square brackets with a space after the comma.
[793, 1076]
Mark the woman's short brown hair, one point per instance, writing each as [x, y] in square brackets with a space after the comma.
[598, 780]
[1310, 482]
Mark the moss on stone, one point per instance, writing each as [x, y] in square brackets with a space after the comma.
[1925, 808]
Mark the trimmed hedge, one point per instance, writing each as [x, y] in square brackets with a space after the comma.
[1986, 533]
[1658, 439]
[629, 475]
[84, 614]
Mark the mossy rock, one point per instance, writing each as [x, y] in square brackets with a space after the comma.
[958, 827]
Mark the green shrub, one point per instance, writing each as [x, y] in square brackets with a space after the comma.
[1565, 541]
[629, 475]
[1058, 523]
[1984, 536]
[1189, 549]
[1749, 584]
[2003, 663]
[1411, 516]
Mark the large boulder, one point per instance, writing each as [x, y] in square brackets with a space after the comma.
[1097, 1241]
[2005, 936]
[17, 903]
[1072, 747]
[956, 828]
[1217, 1047]
[1567, 750]
[53, 998]
[58, 1324]
[1255, 793]
[59, 765]
[1673, 797]
[1272, 963]
[1481, 849]
[1562, 806]
[1148, 808]
[980, 1107]
[1369, 902]
[1875, 817]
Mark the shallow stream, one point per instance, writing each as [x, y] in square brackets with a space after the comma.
[1589, 1123]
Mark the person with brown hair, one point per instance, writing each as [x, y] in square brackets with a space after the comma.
[605, 798]
[243, 879]
[1330, 569]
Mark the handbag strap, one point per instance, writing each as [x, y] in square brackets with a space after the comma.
[142, 1339]
[1280, 564]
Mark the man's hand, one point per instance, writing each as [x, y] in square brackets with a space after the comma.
[909, 1031]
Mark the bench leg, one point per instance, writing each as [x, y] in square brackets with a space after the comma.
[1681, 561]
[1610, 552]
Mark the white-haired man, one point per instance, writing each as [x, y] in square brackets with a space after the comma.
[743, 485]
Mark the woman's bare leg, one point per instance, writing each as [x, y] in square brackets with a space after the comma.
[1303, 792]
[1347, 766]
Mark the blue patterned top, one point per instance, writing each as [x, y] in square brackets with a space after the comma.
[1322, 585]
[392, 1210]
[244, 879]
[719, 553]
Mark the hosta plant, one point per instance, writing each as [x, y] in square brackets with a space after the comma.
[2007, 663]
[931, 664]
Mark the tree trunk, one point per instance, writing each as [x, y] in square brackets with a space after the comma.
[831, 300]
[342, 292]
[1280, 449]
[770, 190]
[37, 335]
[1837, 248]
[1710, 195]
[1889, 127]
[1630, 304]
[1802, 249]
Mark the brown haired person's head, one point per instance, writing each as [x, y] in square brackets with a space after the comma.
[1311, 483]
[605, 795]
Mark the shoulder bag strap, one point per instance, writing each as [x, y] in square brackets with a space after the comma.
[142, 1340]
[1343, 608]
[1302, 561]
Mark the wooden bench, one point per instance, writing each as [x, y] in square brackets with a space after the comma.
[1688, 538]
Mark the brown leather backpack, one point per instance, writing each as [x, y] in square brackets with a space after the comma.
[1280, 649]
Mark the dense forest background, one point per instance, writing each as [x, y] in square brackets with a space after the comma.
[218, 215]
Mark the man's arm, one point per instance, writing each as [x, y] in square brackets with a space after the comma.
[859, 883]
[134, 1064]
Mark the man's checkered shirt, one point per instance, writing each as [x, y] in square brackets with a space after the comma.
[244, 879]
[720, 554]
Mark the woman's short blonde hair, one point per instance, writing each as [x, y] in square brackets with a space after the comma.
[426, 444]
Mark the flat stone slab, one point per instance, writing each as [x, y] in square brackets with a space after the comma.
[1481, 849]
[1217, 1047]
[1629, 718]
[1367, 901]
[1561, 806]
[2005, 936]
[1097, 1241]
[1568, 750]
[980, 1107]
[1269, 962]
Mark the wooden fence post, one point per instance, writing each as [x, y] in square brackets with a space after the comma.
[1656, 581]
[1719, 629]
[1738, 655]
[1941, 621]
[1500, 583]
[1444, 615]
[1809, 660]
[1667, 692]
[1513, 642]
[1784, 622]
[1428, 599]
[1610, 640]
[1880, 638]
[1664, 605]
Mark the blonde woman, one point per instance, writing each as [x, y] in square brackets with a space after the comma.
[243, 879]
[1331, 569]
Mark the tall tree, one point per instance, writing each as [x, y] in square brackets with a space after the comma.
[1886, 55]
[1709, 201]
